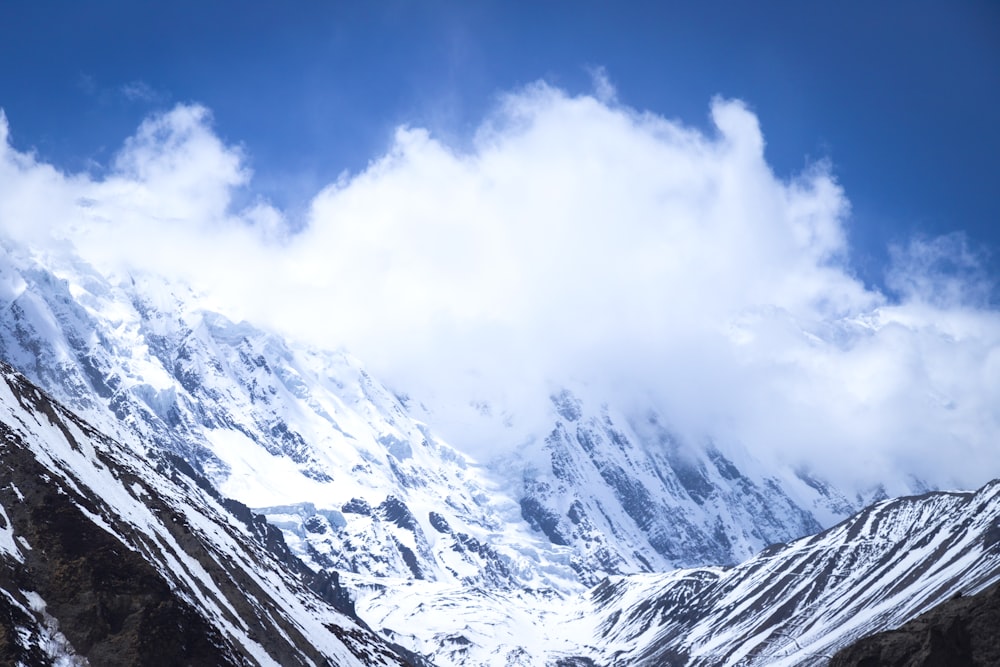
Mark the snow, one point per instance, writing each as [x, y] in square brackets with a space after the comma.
[941, 534]
[53, 642]
[8, 544]
[258, 478]
[93, 469]
[278, 423]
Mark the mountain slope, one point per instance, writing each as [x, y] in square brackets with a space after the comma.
[358, 477]
[104, 557]
[791, 604]
[961, 631]
[144, 362]
[632, 497]
[794, 604]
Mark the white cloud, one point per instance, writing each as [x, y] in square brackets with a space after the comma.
[604, 90]
[575, 240]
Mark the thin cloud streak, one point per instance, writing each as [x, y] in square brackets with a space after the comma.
[574, 241]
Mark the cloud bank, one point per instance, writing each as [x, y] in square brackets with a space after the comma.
[572, 240]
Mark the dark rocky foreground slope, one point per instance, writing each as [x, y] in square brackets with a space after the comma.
[964, 631]
[108, 557]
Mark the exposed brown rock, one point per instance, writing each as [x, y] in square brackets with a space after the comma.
[110, 603]
[962, 632]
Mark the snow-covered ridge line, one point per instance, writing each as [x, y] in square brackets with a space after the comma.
[795, 604]
[130, 563]
[791, 604]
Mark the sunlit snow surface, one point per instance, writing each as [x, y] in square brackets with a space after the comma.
[790, 605]
[116, 488]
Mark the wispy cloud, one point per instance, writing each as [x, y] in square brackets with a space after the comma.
[140, 91]
[604, 90]
[132, 92]
[944, 270]
[574, 240]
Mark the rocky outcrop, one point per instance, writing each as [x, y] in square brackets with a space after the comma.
[957, 633]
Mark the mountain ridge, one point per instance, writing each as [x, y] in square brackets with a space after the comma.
[605, 525]
[104, 557]
[790, 604]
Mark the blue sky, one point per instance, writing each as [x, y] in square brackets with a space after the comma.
[900, 96]
[746, 215]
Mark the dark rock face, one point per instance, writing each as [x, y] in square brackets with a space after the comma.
[395, 510]
[110, 603]
[357, 506]
[124, 561]
[963, 631]
[541, 518]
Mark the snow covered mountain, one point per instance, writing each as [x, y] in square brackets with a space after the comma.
[104, 553]
[794, 604]
[667, 504]
[357, 476]
[562, 550]
[108, 559]
[791, 604]
[310, 436]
